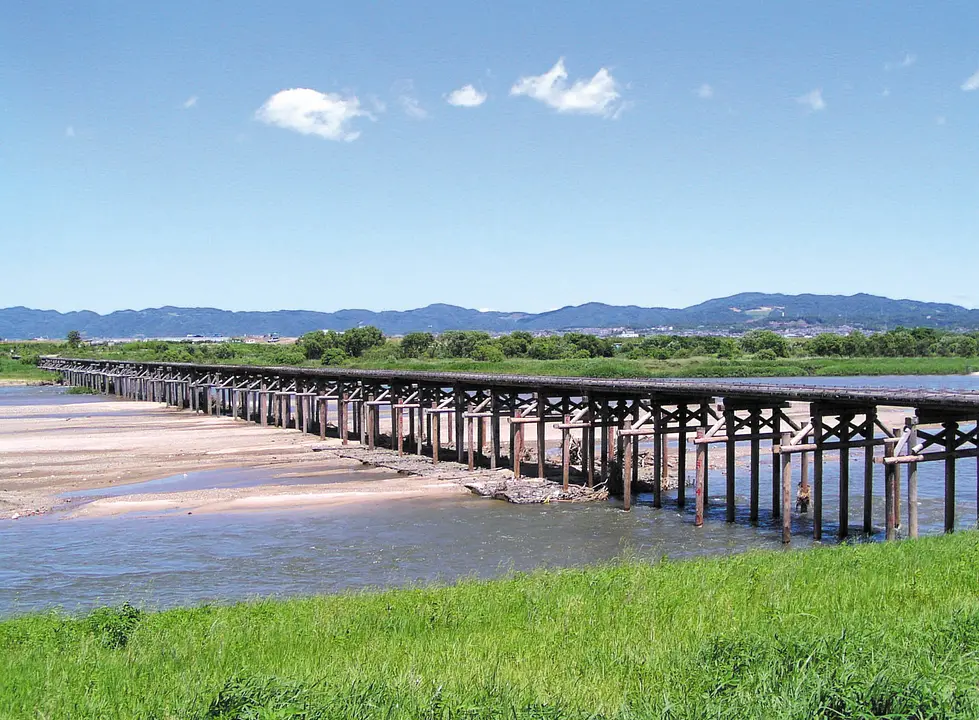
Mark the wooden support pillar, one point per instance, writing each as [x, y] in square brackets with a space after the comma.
[705, 421]
[730, 464]
[817, 477]
[566, 453]
[659, 438]
[604, 450]
[776, 463]
[371, 422]
[786, 490]
[494, 431]
[754, 425]
[896, 432]
[481, 439]
[951, 428]
[436, 443]
[343, 423]
[460, 407]
[845, 420]
[420, 426]
[868, 476]
[700, 473]
[890, 480]
[541, 435]
[470, 440]
[681, 457]
[802, 501]
[324, 409]
[397, 425]
[517, 446]
[628, 442]
[912, 484]
[634, 476]
[588, 439]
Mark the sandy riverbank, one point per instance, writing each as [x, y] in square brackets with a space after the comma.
[50, 449]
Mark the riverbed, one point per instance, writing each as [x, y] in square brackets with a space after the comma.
[169, 558]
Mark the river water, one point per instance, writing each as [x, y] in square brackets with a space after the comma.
[168, 560]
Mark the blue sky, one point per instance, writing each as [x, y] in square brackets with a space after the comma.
[307, 155]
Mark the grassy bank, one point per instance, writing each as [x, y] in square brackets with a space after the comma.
[693, 367]
[18, 371]
[868, 631]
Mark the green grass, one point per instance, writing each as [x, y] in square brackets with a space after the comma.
[22, 372]
[867, 631]
[694, 367]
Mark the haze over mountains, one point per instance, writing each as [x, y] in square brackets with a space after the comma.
[737, 312]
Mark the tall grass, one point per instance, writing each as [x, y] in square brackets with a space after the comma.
[20, 371]
[870, 631]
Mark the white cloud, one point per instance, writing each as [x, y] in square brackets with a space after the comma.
[407, 100]
[972, 83]
[466, 96]
[597, 96]
[310, 112]
[813, 100]
[705, 92]
[70, 131]
[906, 62]
[190, 102]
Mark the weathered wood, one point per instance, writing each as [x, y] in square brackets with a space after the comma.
[699, 477]
[657, 457]
[681, 458]
[566, 455]
[817, 478]
[786, 492]
[754, 421]
[950, 429]
[730, 465]
[776, 464]
[471, 449]
[436, 420]
[495, 433]
[889, 483]
[627, 472]
[541, 436]
[913, 486]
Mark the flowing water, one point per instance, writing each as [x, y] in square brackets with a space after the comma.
[176, 559]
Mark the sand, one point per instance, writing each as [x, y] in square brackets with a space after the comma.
[47, 450]
[89, 447]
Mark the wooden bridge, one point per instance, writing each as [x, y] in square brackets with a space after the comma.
[465, 412]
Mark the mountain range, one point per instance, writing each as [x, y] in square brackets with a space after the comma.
[737, 312]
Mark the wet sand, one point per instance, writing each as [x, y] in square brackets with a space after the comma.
[50, 449]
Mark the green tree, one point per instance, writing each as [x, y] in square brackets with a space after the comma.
[416, 345]
[334, 356]
[74, 339]
[758, 340]
[487, 352]
[516, 343]
[357, 341]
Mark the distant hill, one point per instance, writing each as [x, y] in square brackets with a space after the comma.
[737, 312]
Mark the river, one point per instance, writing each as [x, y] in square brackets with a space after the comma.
[169, 560]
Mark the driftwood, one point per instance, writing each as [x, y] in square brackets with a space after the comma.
[529, 491]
